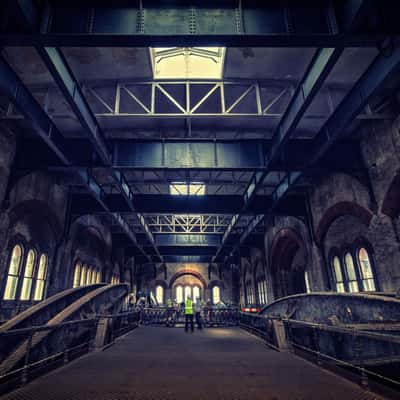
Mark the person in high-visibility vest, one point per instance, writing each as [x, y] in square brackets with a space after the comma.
[189, 314]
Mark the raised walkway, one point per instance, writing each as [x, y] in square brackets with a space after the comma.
[165, 363]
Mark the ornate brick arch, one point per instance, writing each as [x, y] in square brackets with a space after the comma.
[338, 210]
[188, 272]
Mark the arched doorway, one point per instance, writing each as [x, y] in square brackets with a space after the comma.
[187, 283]
[288, 264]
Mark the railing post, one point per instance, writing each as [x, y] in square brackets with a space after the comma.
[357, 345]
[316, 341]
[25, 370]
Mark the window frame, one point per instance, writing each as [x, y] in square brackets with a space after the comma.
[347, 251]
[28, 279]
[17, 276]
[40, 283]
[363, 245]
[213, 295]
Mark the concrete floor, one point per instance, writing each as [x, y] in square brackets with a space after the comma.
[165, 363]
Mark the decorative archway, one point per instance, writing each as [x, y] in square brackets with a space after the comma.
[338, 210]
[288, 279]
[187, 272]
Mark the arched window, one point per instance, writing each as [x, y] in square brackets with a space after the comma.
[367, 275]
[188, 292]
[89, 276]
[216, 295]
[28, 275]
[83, 275]
[307, 281]
[196, 293]
[351, 273]
[179, 294]
[337, 274]
[13, 273]
[160, 294]
[77, 274]
[41, 278]
[98, 278]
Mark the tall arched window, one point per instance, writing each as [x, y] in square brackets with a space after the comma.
[89, 276]
[28, 275]
[337, 274]
[98, 277]
[83, 275]
[77, 274]
[196, 293]
[160, 294]
[179, 294]
[351, 273]
[41, 278]
[216, 295]
[188, 292]
[367, 275]
[13, 273]
[307, 281]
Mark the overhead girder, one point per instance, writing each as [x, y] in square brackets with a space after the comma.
[335, 127]
[12, 86]
[82, 203]
[197, 155]
[177, 99]
[317, 71]
[199, 23]
[59, 69]
[314, 77]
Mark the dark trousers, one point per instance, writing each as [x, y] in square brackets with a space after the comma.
[189, 319]
[198, 320]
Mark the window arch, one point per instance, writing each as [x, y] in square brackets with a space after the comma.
[160, 294]
[351, 273]
[41, 276]
[307, 281]
[216, 295]
[89, 276]
[98, 277]
[188, 292]
[13, 273]
[196, 293]
[77, 274]
[28, 275]
[179, 294]
[83, 275]
[366, 272]
[337, 274]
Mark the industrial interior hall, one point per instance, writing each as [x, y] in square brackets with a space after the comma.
[199, 199]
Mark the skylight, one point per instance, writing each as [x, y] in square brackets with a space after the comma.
[187, 189]
[187, 62]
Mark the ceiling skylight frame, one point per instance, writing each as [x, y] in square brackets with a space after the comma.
[187, 62]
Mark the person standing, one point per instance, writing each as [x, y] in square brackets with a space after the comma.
[197, 310]
[189, 314]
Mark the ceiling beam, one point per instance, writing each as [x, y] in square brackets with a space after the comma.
[335, 127]
[62, 74]
[313, 79]
[12, 87]
[205, 23]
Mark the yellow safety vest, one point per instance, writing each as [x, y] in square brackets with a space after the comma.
[189, 307]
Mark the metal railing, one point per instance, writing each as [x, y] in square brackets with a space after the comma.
[28, 352]
[174, 316]
[363, 354]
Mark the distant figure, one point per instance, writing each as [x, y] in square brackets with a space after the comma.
[197, 310]
[189, 314]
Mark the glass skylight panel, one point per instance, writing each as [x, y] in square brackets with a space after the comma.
[187, 62]
[187, 189]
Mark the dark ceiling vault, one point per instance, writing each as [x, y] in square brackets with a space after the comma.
[298, 79]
